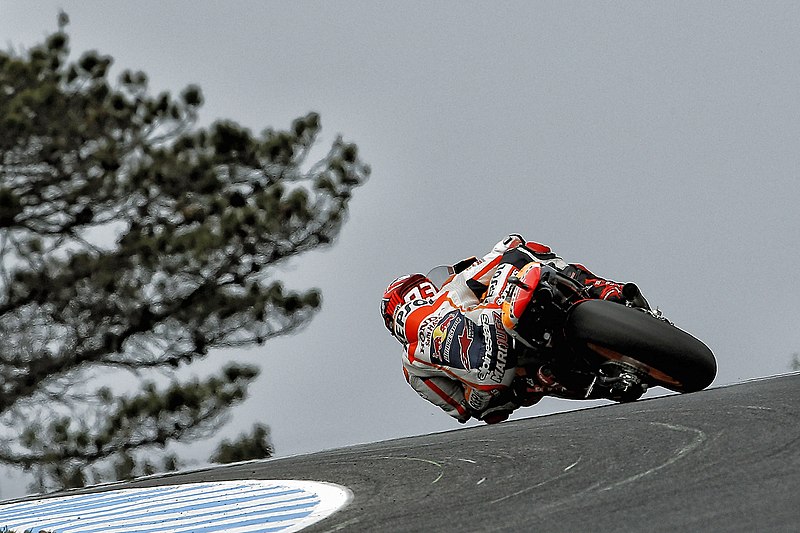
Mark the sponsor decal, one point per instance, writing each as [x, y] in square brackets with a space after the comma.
[502, 347]
[455, 340]
[401, 318]
[499, 288]
[493, 365]
[439, 334]
[400, 323]
[451, 333]
[426, 331]
[477, 400]
[224, 506]
[492, 290]
[483, 371]
[464, 342]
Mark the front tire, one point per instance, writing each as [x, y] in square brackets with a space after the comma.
[670, 356]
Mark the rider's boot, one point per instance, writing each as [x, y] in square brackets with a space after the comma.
[548, 380]
[526, 388]
[604, 289]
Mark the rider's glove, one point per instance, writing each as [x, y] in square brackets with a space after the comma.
[464, 264]
[512, 241]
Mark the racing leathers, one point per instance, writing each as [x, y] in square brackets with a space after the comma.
[458, 354]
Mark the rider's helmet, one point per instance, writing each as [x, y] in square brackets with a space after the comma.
[403, 290]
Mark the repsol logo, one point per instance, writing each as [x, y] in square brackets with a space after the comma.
[407, 307]
[401, 315]
[491, 292]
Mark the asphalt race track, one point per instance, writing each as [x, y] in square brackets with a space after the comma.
[725, 459]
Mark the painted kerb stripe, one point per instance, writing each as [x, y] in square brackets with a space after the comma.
[231, 506]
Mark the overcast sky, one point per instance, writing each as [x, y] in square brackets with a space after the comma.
[654, 142]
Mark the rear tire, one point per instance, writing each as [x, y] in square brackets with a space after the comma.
[670, 356]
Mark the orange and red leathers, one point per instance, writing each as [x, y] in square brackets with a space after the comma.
[457, 353]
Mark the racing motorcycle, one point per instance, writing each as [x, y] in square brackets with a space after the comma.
[598, 348]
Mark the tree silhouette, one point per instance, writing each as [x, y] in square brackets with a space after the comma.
[255, 445]
[132, 242]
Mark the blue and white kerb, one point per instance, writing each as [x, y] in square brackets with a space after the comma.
[230, 506]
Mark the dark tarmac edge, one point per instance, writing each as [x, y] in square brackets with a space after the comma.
[723, 459]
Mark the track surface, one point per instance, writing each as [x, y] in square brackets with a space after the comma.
[725, 459]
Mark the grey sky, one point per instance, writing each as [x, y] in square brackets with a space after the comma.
[654, 142]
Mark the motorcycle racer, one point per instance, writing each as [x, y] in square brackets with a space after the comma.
[459, 340]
